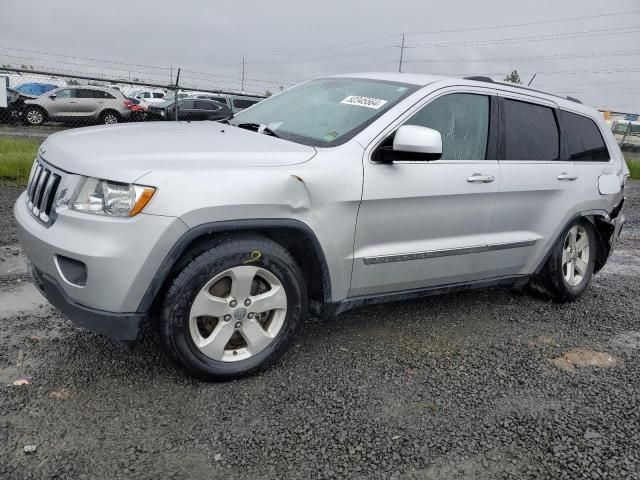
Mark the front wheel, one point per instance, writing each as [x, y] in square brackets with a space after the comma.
[34, 116]
[569, 269]
[234, 309]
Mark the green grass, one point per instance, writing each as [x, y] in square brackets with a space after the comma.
[634, 167]
[16, 158]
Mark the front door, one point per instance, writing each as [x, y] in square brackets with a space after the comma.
[425, 223]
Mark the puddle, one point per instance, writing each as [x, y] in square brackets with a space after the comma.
[582, 357]
[22, 299]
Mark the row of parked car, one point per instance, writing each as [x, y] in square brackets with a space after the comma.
[35, 104]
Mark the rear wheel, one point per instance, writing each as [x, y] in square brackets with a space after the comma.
[109, 118]
[34, 116]
[569, 269]
[233, 309]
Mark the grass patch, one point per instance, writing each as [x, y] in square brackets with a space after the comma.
[16, 158]
[634, 166]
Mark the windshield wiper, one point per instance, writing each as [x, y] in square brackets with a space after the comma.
[258, 127]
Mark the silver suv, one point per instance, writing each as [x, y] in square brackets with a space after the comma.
[339, 192]
[78, 104]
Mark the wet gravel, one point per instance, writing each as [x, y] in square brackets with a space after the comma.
[458, 386]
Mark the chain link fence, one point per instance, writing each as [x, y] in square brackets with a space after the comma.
[40, 98]
[627, 133]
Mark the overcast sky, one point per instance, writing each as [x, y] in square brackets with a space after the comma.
[289, 41]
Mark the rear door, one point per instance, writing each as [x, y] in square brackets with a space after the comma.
[88, 102]
[425, 223]
[541, 189]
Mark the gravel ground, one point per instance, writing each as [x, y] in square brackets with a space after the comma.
[458, 386]
[20, 130]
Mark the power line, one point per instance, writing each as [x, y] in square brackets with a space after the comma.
[513, 25]
[533, 38]
[526, 59]
[457, 30]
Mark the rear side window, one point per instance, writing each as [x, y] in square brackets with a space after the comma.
[531, 132]
[584, 139]
[239, 103]
[463, 121]
[203, 105]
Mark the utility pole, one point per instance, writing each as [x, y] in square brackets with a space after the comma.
[242, 90]
[401, 55]
[176, 99]
[171, 75]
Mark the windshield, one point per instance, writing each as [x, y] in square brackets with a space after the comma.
[325, 112]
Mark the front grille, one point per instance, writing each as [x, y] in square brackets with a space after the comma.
[41, 192]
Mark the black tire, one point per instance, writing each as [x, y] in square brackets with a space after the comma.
[222, 255]
[109, 117]
[34, 116]
[551, 281]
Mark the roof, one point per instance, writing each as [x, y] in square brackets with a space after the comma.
[425, 79]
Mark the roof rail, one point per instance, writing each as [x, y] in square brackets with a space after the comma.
[480, 79]
[491, 80]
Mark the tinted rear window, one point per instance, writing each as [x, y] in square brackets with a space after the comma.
[238, 103]
[584, 139]
[531, 132]
[203, 105]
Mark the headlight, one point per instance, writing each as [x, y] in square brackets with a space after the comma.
[102, 197]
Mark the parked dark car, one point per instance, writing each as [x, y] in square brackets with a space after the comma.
[35, 89]
[191, 109]
[15, 104]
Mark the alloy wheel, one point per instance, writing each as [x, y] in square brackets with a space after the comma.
[110, 119]
[35, 117]
[238, 313]
[575, 255]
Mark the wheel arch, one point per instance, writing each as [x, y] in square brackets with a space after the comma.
[27, 107]
[601, 222]
[295, 236]
[102, 114]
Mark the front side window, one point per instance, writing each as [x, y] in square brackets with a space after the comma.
[185, 104]
[325, 112]
[66, 93]
[158, 95]
[463, 121]
[584, 139]
[531, 131]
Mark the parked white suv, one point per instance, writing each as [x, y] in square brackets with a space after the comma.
[339, 192]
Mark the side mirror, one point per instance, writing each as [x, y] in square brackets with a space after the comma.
[53, 96]
[413, 142]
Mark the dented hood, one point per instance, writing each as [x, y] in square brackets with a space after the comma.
[126, 152]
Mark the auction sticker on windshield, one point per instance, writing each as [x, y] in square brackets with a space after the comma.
[368, 102]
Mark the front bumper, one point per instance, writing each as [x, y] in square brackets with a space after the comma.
[120, 255]
[121, 326]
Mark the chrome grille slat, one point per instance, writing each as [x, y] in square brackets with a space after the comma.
[37, 194]
[32, 187]
[41, 191]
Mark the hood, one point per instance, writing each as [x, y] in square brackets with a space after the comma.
[126, 152]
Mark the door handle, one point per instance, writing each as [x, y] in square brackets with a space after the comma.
[566, 177]
[479, 178]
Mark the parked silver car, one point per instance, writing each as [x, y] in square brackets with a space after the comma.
[78, 104]
[339, 192]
